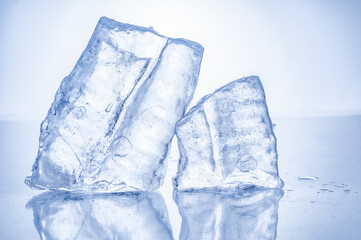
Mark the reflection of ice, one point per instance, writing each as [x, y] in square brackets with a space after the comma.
[242, 215]
[64, 215]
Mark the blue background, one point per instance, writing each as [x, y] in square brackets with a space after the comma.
[307, 54]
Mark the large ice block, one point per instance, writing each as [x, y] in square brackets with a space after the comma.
[227, 140]
[229, 216]
[132, 215]
[114, 116]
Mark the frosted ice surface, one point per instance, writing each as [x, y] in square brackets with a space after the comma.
[132, 215]
[113, 117]
[227, 140]
[228, 216]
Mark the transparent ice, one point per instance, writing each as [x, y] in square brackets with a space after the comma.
[131, 215]
[228, 216]
[114, 116]
[227, 140]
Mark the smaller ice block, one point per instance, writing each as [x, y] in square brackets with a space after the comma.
[131, 216]
[228, 216]
[227, 140]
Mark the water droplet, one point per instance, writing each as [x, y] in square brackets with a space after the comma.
[119, 186]
[44, 125]
[151, 28]
[247, 163]
[44, 134]
[94, 46]
[28, 181]
[308, 178]
[127, 31]
[52, 110]
[121, 147]
[101, 185]
[109, 107]
[86, 60]
[79, 112]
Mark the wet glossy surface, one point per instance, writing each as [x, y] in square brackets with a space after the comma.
[319, 160]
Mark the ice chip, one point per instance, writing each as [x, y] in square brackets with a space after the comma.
[227, 140]
[114, 116]
[70, 215]
[249, 214]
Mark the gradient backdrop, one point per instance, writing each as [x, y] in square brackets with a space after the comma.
[307, 53]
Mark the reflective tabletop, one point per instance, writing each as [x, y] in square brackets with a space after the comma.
[319, 161]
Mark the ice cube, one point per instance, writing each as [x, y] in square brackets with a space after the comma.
[227, 140]
[70, 215]
[114, 116]
[238, 215]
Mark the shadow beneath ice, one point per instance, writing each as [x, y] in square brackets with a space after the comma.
[250, 214]
[131, 215]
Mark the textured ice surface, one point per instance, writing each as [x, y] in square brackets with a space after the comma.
[113, 117]
[66, 215]
[228, 216]
[227, 140]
